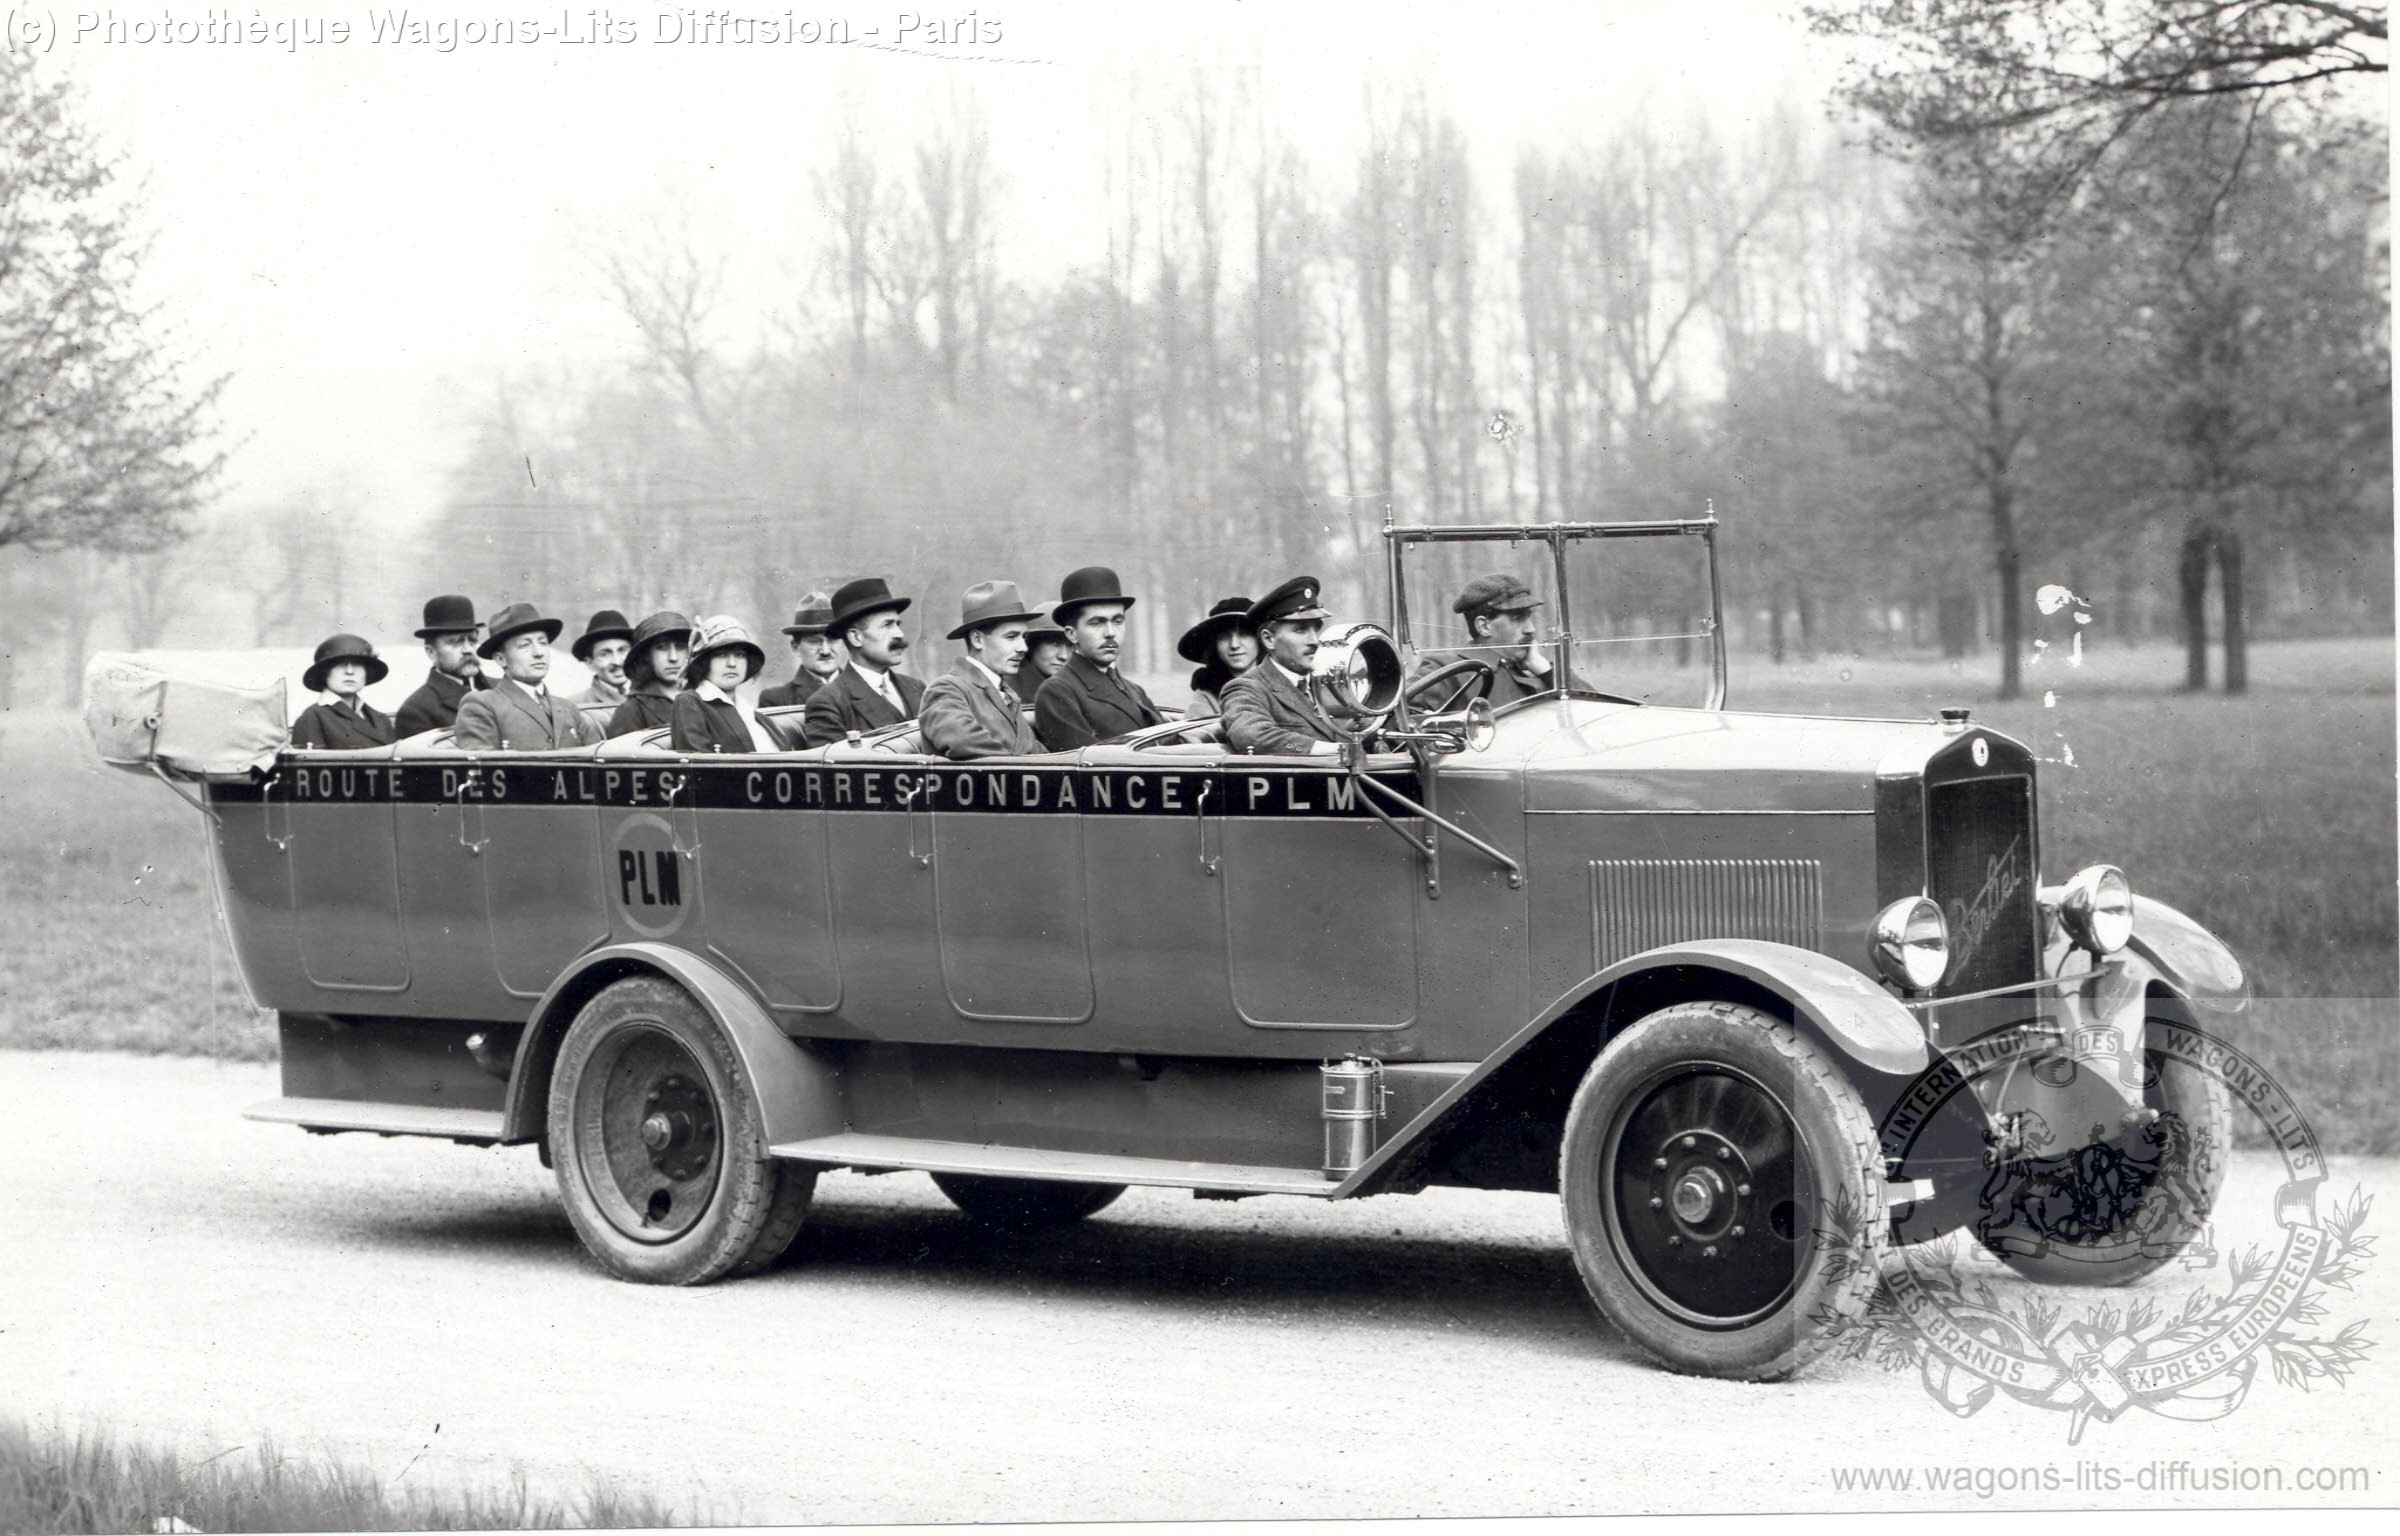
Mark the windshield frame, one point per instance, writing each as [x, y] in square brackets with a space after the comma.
[1558, 536]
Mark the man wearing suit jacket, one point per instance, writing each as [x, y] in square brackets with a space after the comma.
[1269, 707]
[449, 636]
[518, 714]
[971, 711]
[1090, 700]
[869, 692]
[818, 653]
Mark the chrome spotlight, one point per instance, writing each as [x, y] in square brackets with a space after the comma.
[1358, 674]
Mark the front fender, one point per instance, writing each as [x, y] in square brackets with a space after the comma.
[2191, 959]
[1852, 1013]
[799, 1095]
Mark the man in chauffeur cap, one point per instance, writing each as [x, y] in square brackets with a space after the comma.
[971, 711]
[1500, 629]
[1090, 700]
[1269, 708]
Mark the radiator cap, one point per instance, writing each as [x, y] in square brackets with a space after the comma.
[1955, 717]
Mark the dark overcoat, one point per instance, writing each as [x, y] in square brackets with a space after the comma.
[847, 704]
[642, 711]
[799, 690]
[435, 705]
[338, 727]
[713, 725]
[1087, 702]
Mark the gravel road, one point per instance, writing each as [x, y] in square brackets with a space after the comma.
[184, 1276]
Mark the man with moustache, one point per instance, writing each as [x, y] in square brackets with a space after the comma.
[971, 711]
[869, 692]
[518, 714]
[449, 636]
[818, 653]
[1090, 700]
[1269, 708]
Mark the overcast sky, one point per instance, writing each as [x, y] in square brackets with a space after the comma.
[366, 232]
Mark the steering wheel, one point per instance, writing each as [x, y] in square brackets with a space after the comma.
[1470, 678]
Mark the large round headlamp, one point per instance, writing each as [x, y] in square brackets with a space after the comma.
[1912, 943]
[2097, 909]
[1357, 672]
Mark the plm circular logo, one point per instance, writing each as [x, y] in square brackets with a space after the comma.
[2101, 1163]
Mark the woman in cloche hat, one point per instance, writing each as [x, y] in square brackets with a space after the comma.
[654, 672]
[343, 723]
[1225, 646]
[709, 717]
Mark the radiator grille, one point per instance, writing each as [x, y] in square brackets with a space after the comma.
[1980, 872]
[1639, 904]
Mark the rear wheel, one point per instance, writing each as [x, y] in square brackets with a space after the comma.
[656, 1137]
[1723, 1191]
[1023, 1205]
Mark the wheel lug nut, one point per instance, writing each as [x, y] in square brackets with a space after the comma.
[1658, 1162]
[1709, 1252]
[1674, 1242]
[1741, 1189]
[1724, 1154]
[1656, 1203]
[1691, 1141]
[1738, 1231]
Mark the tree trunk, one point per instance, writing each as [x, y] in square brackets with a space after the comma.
[2012, 623]
[2192, 580]
[2229, 594]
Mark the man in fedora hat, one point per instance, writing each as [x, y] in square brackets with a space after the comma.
[819, 654]
[655, 666]
[344, 665]
[1500, 628]
[518, 714]
[870, 691]
[449, 636]
[971, 711]
[1269, 707]
[1090, 700]
[606, 640]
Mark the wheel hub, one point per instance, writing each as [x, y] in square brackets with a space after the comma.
[649, 1150]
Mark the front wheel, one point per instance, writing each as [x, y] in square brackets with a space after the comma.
[1023, 1205]
[656, 1136]
[1723, 1191]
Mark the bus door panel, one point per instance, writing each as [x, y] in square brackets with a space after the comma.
[1008, 879]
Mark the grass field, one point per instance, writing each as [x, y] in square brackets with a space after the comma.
[59, 1482]
[2269, 818]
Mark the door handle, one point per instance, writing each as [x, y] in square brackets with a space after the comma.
[471, 805]
[282, 839]
[1208, 861]
[683, 816]
[908, 803]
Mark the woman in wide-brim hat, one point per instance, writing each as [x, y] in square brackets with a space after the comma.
[654, 668]
[709, 715]
[1225, 646]
[344, 665]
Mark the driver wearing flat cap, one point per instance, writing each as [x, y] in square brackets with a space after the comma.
[1271, 707]
[1500, 629]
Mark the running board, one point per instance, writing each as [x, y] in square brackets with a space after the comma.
[864, 1150]
[388, 1119]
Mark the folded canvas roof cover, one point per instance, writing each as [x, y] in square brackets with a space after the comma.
[146, 712]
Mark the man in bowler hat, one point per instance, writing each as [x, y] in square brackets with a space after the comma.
[971, 711]
[603, 646]
[518, 714]
[818, 653]
[1270, 708]
[344, 723]
[1090, 700]
[449, 636]
[1500, 628]
[870, 691]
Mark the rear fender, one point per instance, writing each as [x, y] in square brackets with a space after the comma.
[799, 1093]
[2191, 960]
[1538, 1069]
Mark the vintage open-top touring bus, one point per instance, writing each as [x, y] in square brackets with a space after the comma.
[1694, 970]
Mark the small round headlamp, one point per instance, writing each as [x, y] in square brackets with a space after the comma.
[2097, 909]
[1912, 943]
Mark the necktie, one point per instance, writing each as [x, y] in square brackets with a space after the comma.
[891, 695]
